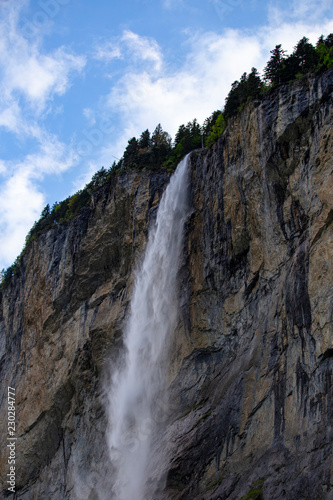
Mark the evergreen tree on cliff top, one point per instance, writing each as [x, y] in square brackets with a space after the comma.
[274, 68]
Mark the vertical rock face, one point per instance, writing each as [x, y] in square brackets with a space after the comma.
[251, 358]
[256, 360]
[61, 322]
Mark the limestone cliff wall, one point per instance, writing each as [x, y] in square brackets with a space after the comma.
[251, 358]
[256, 334]
[60, 320]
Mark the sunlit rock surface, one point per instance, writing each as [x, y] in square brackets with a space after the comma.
[251, 406]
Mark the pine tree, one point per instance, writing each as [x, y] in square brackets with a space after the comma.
[131, 153]
[160, 137]
[306, 56]
[209, 122]
[254, 84]
[233, 101]
[329, 41]
[145, 141]
[182, 131]
[274, 67]
[324, 50]
[46, 211]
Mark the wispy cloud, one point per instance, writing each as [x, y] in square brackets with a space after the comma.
[21, 199]
[300, 11]
[313, 9]
[30, 78]
[38, 77]
[108, 51]
[134, 47]
[20, 205]
[143, 48]
[27, 72]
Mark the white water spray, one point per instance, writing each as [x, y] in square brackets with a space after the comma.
[138, 385]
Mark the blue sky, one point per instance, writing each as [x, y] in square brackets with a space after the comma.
[79, 78]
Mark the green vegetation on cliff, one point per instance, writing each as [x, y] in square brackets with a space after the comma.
[157, 152]
[281, 69]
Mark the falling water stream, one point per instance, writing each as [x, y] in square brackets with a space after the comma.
[140, 383]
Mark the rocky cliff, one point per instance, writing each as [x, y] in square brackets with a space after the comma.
[250, 363]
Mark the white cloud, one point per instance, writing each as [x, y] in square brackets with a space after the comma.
[10, 117]
[21, 200]
[306, 12]
[39, 77]
[134, 47]
[108, 51]
[30, 78]
[313, 9]
[20, 206]
[143, 48]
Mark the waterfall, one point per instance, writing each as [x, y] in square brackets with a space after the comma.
[138, 387]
